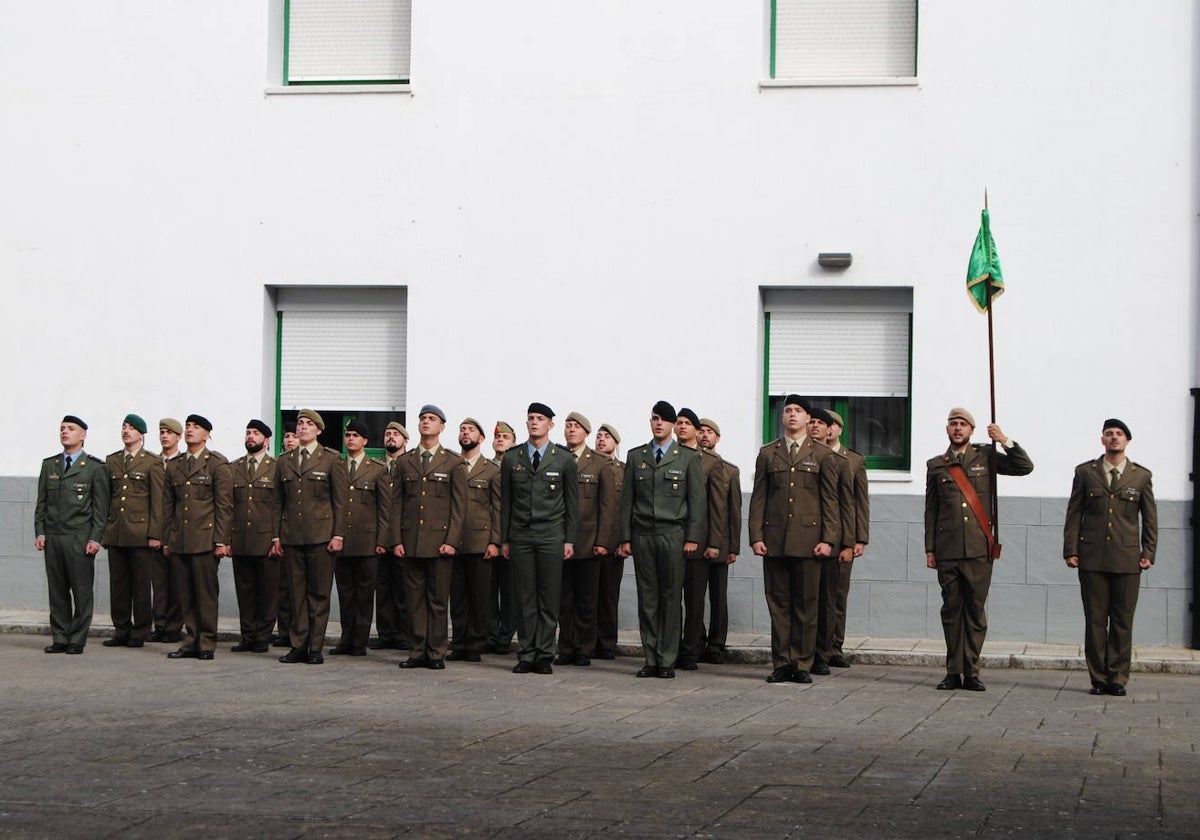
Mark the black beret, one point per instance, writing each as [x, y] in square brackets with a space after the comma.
[1111, 423]
[540, 408]
[289, 427]
[71, 418]
[690, 415]
[199, 421]
[359, 426]
[665, 410]
[259, 426]
[820, 414]
[796, 399]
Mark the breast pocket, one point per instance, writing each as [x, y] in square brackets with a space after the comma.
[438, 485]
[552, 483]
[589, 488]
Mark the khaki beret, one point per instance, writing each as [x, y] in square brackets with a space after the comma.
[395, 424]
[712, 424]
[503, 428]
[475, 423]
[581, 420]
[608, 427]
[313, 416]
[835, 417]
[961, 414]
[172, 424]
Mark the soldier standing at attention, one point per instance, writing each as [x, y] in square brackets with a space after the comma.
[502, 602]
[253, 539]
[662, 522]
[366, 537]
[472, 577]
[612, 565]
[311, 508]
[198, 505]
[134, 532]
[794, 524]
[716, 537]
[391, 610]
[1110, 536]
[958, 538]
[728, 484]
[539, 524]
[290, 440]
[858, 520]
[168, 615]
[283, 615]
[68, 519]
[432, 488]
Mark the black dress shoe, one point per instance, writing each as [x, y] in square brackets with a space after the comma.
[1112, 688]
[242, 647]
[712, 657]
[666, 673]
[156, 636]
[57, 647]
[1098, 689]
[565, 659]
[315, 658]
[136, 643]
[381, 644]
[781, 674]
[820, 668]
[415, 662]
[205, 655]
[543, 666]
[472, 656]
[294, 655]
[687, 665]
[583, 661]
[436, 664]
[281, 642]
[341, 650]
[78, 649]
[523, 667]
[456, 656]
[182, 653]
[973, 684]
[605, 654]
[115, 642]
[838, 661]
[950, 683]
[800, 676]
[647, 671]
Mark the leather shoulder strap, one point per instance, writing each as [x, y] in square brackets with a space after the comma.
[976, 504]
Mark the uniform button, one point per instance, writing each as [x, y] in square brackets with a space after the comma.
[1110, 510]
[789, 516]
[790, 501]
[1108, 539]
[123, 499]
[247, 524]
[421, 522]
[1109, 524]
[966, 519]
[793, 469]
[122, 510]
[422, 492]
[964, 504]
[185, 522]
[187, 482]
[793, 484]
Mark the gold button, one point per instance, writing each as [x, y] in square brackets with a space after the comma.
[964, 504]
[966, 519]
[123, 499]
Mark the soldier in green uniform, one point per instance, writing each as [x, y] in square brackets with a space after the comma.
[69, 517]
[662, 523]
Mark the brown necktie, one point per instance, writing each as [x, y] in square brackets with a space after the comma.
[303, 458]
[128, 458]
[191, 462]
[1114, 476]
[251, 463]
[426, 457]
[353, 468]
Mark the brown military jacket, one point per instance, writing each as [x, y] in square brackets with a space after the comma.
[433, 505]
[599, 497]
[615, 468]
[311, 501]
[199, 502]
[726, 483]
[135, 509]
[254, 522]
[794, 503]
[481, 527]
[951, 530]
[1102, 526]
[859, 497]
[366, 516]
[717, 518]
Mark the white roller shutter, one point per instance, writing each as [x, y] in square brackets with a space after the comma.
[871, 358]
[834, 39]
[348, 40]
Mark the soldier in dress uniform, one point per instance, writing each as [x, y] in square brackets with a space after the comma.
[366, 537]
[539, 524]
[727, 484]
[290, 440]
[311, 509]
[68, 519]
[857, 521]
[794, 523]
[662, 523]
[598, 502]
[612, 565]
[391, 610]
[1110, 536]
[958, 538]
[503, 610]
[472, 577]
[253, 539]
[198, 505]
[431, 487]
[716, 538]
[168, 614]
[134, 532]
[283, 613]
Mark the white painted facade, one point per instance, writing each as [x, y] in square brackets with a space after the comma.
[583, 202]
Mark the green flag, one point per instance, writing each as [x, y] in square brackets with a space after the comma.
[984, 269]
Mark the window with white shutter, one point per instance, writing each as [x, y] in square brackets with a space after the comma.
[347, 41]
[852, 41]
[849, 350]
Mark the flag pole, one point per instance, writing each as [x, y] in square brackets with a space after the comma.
[992, 389]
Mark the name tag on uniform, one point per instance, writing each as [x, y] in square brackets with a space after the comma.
[1130, 493]
[137, 475]
[319, 474]
[977, 469]
[441, 475]
[808, 463]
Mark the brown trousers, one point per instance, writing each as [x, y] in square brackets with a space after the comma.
[256, 580]
[310, 569]
[198, 598]
[791, 587]
[427, 590]
[129, 578]
[1108, 604]
[965, 584]
[356, 593]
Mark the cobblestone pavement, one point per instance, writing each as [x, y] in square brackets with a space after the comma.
[124, 742]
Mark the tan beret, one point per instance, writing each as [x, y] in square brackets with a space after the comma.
[503, 428]
[712, 424]
[608, 427]
[581, 420]
[837, 418]
[172, 424]
[475, 423]
[313, 416]
[961, 414]
[395, 424]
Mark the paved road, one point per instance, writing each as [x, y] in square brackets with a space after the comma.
[126, 743]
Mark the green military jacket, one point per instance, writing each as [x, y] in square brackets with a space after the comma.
[544, 503]
[1110, 528]
[661, 497]
[135, 511]
[72, 502]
